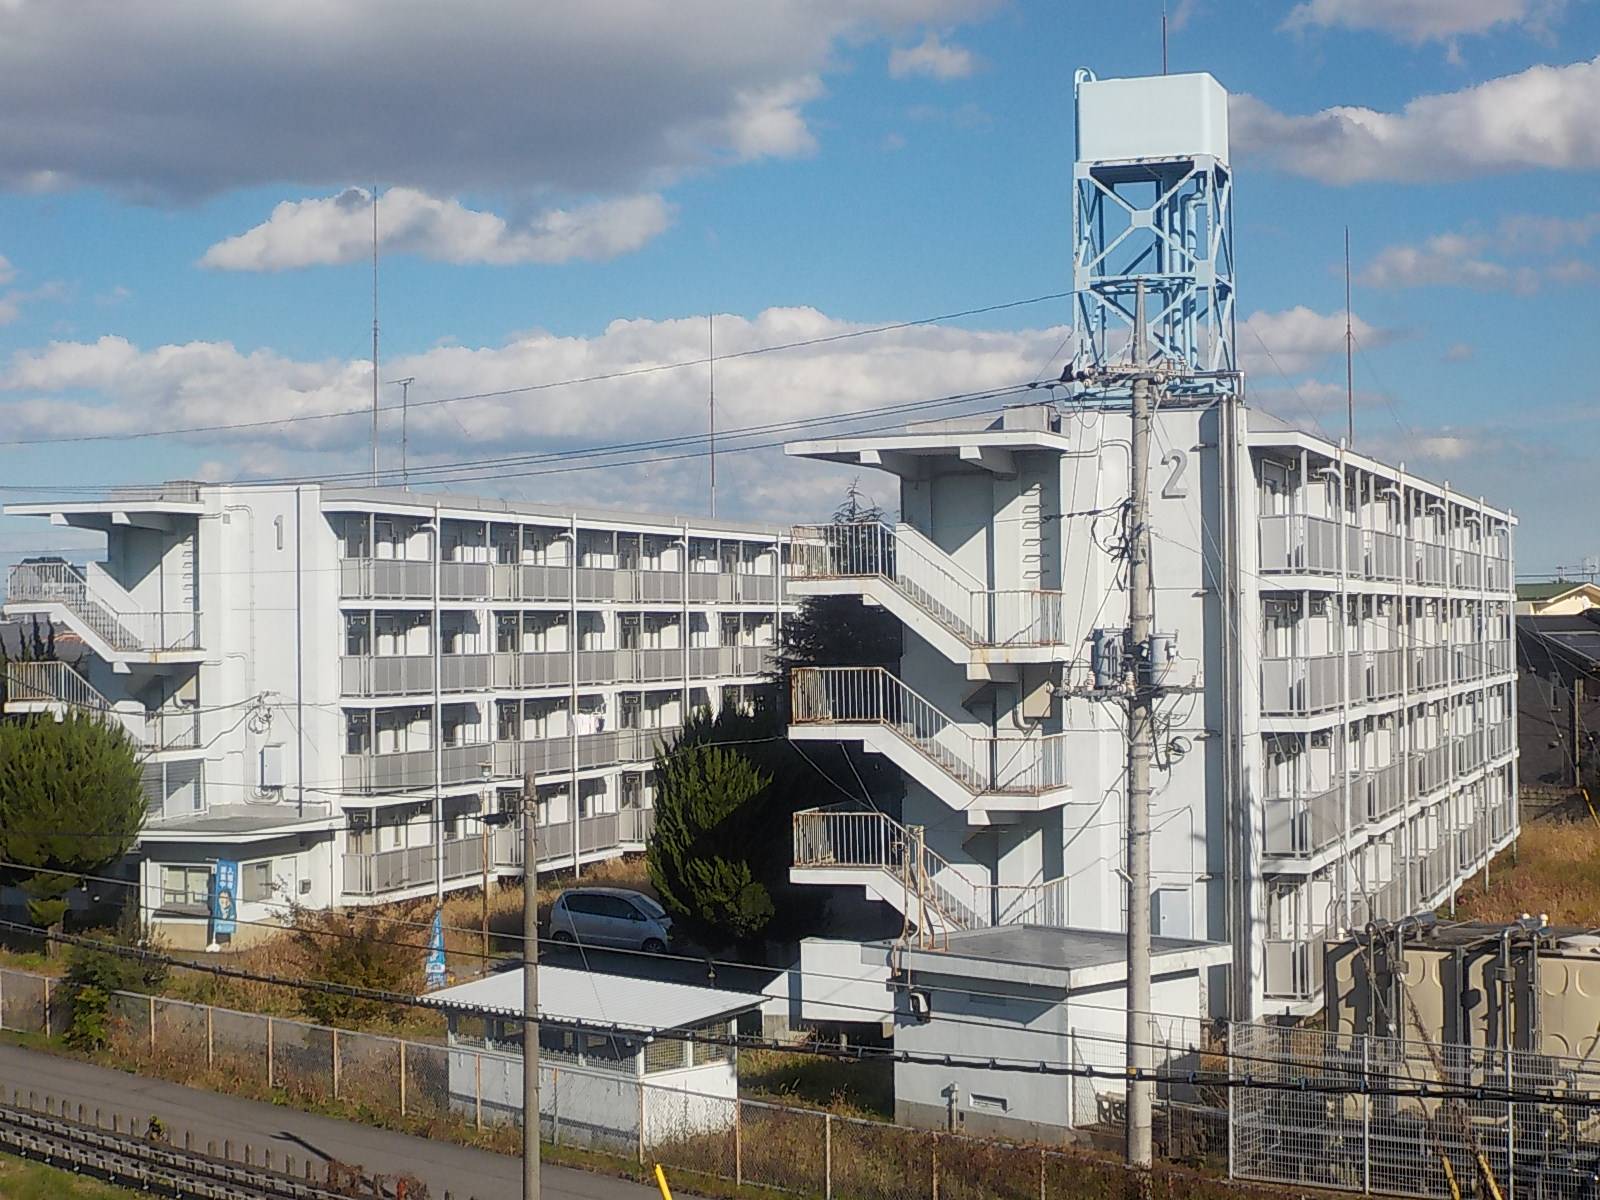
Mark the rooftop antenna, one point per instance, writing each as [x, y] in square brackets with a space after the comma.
[711, 362]
[405, 397]
[374, 335]
[1349, 351]
[1163, 37]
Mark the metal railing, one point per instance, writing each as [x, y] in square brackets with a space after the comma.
[1296, 686]
[385, 579]
[1385, 790]
[597, 833]
[52, 683]
[1293, 968]
[1304, 825]
[111, 619]
[847, 837]
[1299, 544]
[930, 579]
[874, 696]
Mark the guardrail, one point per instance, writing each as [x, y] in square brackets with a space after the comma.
[119, 626]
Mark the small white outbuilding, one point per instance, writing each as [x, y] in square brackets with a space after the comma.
[611, 1070]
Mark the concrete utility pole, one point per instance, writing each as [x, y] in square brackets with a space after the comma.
[530, 989]
[1141, 741]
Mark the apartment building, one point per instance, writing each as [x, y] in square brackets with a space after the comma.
[1336, 736]
[332, 684]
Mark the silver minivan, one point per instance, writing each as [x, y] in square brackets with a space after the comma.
[599, 916]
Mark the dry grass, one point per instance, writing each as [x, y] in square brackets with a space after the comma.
[847, 1089]
[1556, 871]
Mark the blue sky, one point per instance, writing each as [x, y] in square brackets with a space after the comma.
[574, 189]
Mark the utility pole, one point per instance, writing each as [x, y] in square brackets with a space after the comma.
[530, 989]
[1140, 747]
[1349, 352]
[711, 363]
[374, 335]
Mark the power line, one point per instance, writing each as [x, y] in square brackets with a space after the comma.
[525, 389]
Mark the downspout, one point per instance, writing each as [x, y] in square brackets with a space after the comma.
[572, 708]
[438, 715]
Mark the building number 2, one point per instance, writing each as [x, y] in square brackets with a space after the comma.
[1175, 488]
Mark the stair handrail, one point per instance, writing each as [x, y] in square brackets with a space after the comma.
[875, 695]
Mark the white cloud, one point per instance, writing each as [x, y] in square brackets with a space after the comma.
[338, 229]
[1419, 21]
[1460, 352]
[14, 301]
[476, 97]
[1467, 259]
[7, 271]
[1299, 339]
[1539, 119]
[931, 57]
[114, 386]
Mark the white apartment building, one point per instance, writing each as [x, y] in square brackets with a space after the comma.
[332, 683]
[1336, 738]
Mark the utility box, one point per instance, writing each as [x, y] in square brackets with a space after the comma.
[1155, 117]
[272, 766]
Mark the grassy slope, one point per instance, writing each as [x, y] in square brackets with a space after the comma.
[20, 1180]
[1557, 872]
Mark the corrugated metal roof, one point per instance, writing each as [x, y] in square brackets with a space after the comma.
[1547, 589]
[647, 1005]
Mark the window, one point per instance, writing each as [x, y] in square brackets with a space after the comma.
[185, 886]
[257, 881]
[989, 1103]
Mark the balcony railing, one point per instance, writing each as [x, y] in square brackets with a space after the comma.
[412, 770]
[375, 874]
[1293, 968]
[873, 696]
[412, 579]
[1303, 826]
[375, 676]
[109, 617]
[1385, 790]
[1299, 686]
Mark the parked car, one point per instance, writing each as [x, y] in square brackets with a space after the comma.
[597, 916]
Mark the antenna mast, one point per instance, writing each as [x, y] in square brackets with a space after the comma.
[374, 335]
[405, 400]
[711, 362]
[1349, 351]
[1163, 37]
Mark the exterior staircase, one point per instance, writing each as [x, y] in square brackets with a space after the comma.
[117, 631]
[942, 755]
[909, 574]
[847, 845]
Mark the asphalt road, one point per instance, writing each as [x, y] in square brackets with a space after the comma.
[465, 1173]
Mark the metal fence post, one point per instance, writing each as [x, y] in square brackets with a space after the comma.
[827, 1156]
[210, 1044]
[402, 1078]
[641, 1121]
[477, 1087]
[935, 1157]
[555, 1105]
[152, 1000]
[269, 1054]
[738, 1142]
[1511, 1124]
[333, 1054]
[47, 1006]
[1366, 1114]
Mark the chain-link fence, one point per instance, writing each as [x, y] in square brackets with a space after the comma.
[1321, 1116]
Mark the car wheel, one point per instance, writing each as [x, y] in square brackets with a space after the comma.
[563, 937]
[654, 946]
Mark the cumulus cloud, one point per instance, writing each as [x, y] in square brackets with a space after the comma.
[1468, 258]
[1418, 21]
[1298, 340]
[338, 229]
[114, 386]
[476, 97]
[931, 57]
[1538, 119]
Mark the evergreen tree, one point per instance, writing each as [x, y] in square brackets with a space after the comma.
[71, 803]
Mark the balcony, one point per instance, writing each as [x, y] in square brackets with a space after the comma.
[1305, 686]
[874, 706]
[385, 579]
[927, 589]
[385, 871]
[412, 579]
[413, 770]
[89, 602]
[843, 844]
[1303, 826]
[1293, 968]
[1385, 790]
